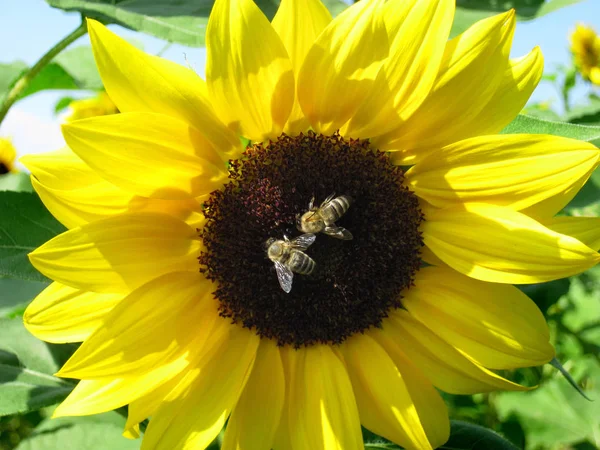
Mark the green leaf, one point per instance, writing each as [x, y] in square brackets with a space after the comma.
[98, 432]
[62, 104]
[586, 114]
[553, 416]
[182, 21]
[533, 125]
[25, 224]
[463, 436]
[8, 75]
[19, 182]
[23, 390]
[26, 368]
[16, 294]
[52, 76]
[469, 436]
[470, 11]
[542, 111]
[73, 69]
[80, 64]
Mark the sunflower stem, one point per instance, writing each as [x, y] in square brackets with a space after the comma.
[26, 78]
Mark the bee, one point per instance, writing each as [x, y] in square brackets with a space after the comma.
[289, 257]
[323, 218]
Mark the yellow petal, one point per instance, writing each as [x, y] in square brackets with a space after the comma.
[429, 257]
[120, 253]
[470, 73]
[248, 71]
[164, 327]
[341, 66]
[63, 314]
[447, 368]
[76, 195]
[394, 398]
[282, 439]
[195, 411]
[518, 83]
[212, 330]
[105, 394]
[98, 396]
[78, 206]
[494, 324]
[520, 79]
[322, 411]
[8, 153]
[418, 34]
[497, 244]
[160, 156]
[546, 209]
[249, 426]
[584, 229]
[138, 82]
[133, 433]
[61, 169]
[515, 171]
[146, 405]
[298, 23]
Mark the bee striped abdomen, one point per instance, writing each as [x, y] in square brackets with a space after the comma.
[301, 263]
[335, 209]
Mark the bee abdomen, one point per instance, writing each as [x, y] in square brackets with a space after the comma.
[304, 264]
[337, 207]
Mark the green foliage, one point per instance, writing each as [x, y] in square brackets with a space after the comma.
[24, 225]
[73, 69]
[19, 182]
[470, 11]
[9, 73]
[27, 366]
[62, 104]
[16, 294]
[182, 21]
[588, 113]
[463, 436]
[533, 125]
[99, 432]
[79, 63]
[555, 415]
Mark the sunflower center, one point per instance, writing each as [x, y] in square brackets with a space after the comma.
[354, 282]
[3, 168]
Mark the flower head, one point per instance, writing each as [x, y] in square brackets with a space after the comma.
[7, 156]
[166, 276]
[585, 47]
[99, 105]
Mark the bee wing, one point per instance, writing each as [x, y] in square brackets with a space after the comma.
[304, 241]
[285, 276]
[338, 232]
[328, 199]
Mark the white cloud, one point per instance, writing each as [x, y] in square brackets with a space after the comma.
[30, 133]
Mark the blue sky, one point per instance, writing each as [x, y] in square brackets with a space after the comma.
[29, 27]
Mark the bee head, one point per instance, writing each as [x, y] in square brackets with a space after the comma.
[268, 243]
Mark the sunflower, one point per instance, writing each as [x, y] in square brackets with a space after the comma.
[585, 47]
[99, 105]
[8, 155]
[164, 275]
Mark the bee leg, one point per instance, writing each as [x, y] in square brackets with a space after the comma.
[338, 232]
[312, 203]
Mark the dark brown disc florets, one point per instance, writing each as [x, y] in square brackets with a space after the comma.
[355, 282]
